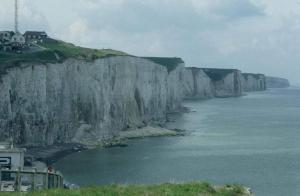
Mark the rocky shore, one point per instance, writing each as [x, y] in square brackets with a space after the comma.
[51, 154]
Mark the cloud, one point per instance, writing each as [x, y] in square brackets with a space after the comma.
[252, 35]
[29, 16]
[236, 9]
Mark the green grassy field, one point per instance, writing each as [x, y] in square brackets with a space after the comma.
[53, 52]
[71, 51]
[56, 52]
[189, 189]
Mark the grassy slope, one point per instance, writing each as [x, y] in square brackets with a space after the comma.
[170, 63]
[218, 74]
[190, 189]
[53, 50]
[72, 51]
[62, 49]
[256, 76]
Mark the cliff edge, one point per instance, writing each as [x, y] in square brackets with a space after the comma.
[276, 82]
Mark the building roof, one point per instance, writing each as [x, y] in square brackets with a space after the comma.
[37, 33]
[10, 32]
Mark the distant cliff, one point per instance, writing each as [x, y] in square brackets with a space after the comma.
[197, 84]
[226, 82]
[275, 82]
[207, 83]
[253, 82]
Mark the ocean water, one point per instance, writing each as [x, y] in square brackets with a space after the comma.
[252, 140]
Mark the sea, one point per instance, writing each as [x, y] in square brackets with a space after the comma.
[253, 140]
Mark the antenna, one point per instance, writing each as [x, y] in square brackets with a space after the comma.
[16, 17]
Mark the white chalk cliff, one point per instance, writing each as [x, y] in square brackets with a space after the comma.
[82, 101]
[79, 100]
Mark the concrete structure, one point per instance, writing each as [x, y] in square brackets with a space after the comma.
[5, 40]
[10, 157]
[18, 41]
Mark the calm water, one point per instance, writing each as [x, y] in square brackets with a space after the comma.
[252, 140]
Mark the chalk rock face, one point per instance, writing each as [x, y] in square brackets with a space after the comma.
[175, 67]
[254, 82]
[82, 101]
[275, 82]
[174, 88]
[197, 84]
[226, 82]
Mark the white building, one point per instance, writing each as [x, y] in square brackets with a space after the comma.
[18, 39]
[10, 157]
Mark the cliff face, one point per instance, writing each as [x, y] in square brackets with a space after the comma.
[226, 82]
[254, 82]
[208, 83]
[82, 101]
[174, 90]
[275, 82]
[197, 84]
[175, 78]
[86, 101]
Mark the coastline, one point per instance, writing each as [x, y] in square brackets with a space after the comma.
[51, 154]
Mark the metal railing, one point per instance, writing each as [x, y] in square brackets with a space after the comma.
[29, 180]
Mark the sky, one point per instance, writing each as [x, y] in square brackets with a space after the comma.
[257, 36]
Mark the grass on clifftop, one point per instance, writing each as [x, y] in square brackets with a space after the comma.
[71, 51]
[218, 74]
[56, 51]
[256, 76]
[169, 63]
[53, 52]
[189, 189]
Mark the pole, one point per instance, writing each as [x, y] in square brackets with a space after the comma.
[16, 16]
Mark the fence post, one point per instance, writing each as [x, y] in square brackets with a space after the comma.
[33, 180]
[54, 180]
[18, 180]
[46, 180]
[0, 178]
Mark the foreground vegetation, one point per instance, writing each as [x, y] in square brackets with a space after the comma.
[189, 189]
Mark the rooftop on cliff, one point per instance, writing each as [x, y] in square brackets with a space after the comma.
[170, 62]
